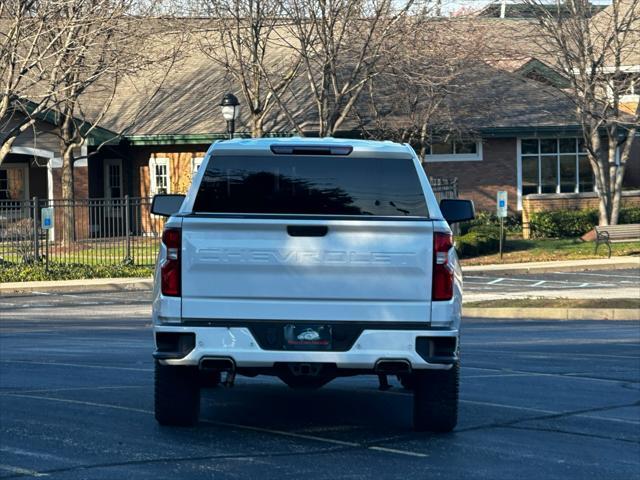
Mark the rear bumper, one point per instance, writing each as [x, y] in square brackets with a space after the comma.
[371, 346]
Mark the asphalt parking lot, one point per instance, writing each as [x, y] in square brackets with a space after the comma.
[519, 282]
[538, 400]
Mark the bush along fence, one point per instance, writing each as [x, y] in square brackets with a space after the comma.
[83, 231]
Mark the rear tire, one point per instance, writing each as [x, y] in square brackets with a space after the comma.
[435, 399]
[177, 395]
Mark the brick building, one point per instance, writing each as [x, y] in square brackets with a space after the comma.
[521, 136]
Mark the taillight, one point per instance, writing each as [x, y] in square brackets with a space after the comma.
[442, 270]
[170, 268]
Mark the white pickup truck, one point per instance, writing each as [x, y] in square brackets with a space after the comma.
[308, 259]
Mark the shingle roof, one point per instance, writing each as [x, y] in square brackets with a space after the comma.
[185, 101]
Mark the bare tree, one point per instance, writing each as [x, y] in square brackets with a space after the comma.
[416, 97]
[246, 44]
[342, 44]
[98, 43]
[594, 52]
[23, 56]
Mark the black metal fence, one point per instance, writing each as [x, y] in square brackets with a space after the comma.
[86, 231]
[98, 231]
[444, 187]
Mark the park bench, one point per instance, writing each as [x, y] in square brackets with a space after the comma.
[616, 233]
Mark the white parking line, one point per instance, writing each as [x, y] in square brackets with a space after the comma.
[636, 277]
[400, 452]
[533, 282]
[533, 410]
[22, 471]
[233, 425]
[56, 364]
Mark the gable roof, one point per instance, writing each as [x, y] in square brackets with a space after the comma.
[182, 106]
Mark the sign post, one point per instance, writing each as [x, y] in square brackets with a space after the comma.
[502, 213]
[46, 219]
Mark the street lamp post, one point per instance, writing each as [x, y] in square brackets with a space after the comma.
[230, 107]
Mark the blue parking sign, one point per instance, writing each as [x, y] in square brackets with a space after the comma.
[502, 203]
[46, 218]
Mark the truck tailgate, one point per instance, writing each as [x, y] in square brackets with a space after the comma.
[258, 268]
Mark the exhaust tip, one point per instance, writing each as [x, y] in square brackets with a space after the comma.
[392, 366]
[222, 364]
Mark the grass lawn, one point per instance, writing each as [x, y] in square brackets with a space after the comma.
[518, 250]
[142, 252]
[558, 303]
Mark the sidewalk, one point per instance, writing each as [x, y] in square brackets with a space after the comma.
[613, 263]
[75, 286]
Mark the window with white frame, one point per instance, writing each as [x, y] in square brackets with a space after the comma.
[159, 175]
[454, 150]
[195, 164]
[555, 165]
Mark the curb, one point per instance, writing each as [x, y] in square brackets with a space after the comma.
[78, 286]
[553, 313]
[614, 263]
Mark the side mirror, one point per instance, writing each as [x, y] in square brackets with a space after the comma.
[166, 205]
[455, 211]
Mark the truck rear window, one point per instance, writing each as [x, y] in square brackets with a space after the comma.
[310, 185]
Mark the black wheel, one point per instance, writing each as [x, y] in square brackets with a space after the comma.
[435, 399]
[304, 382]
[209, 379]
[406, 380]
[177, 395]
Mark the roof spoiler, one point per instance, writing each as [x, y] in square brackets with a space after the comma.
[311, 149]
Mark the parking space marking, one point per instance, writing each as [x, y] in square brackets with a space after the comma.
[22, 471]
[636, 277]
[513, 282]
[526, 409]
[74, 389]
[104, 367]
[233, 425]
[400, 452]
[557, 375]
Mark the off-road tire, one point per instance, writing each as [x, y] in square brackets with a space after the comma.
[177, 395]
[435, 399]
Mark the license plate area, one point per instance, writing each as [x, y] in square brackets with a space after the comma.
[307, 337]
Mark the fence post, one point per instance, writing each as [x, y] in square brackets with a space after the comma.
[36, 255]
[127, 207]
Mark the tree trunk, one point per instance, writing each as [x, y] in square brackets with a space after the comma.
[68, 217]
[257, 130]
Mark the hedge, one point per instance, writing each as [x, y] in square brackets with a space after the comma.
[573, 223]
[512, 223]
[479, 240]
[27, 272]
